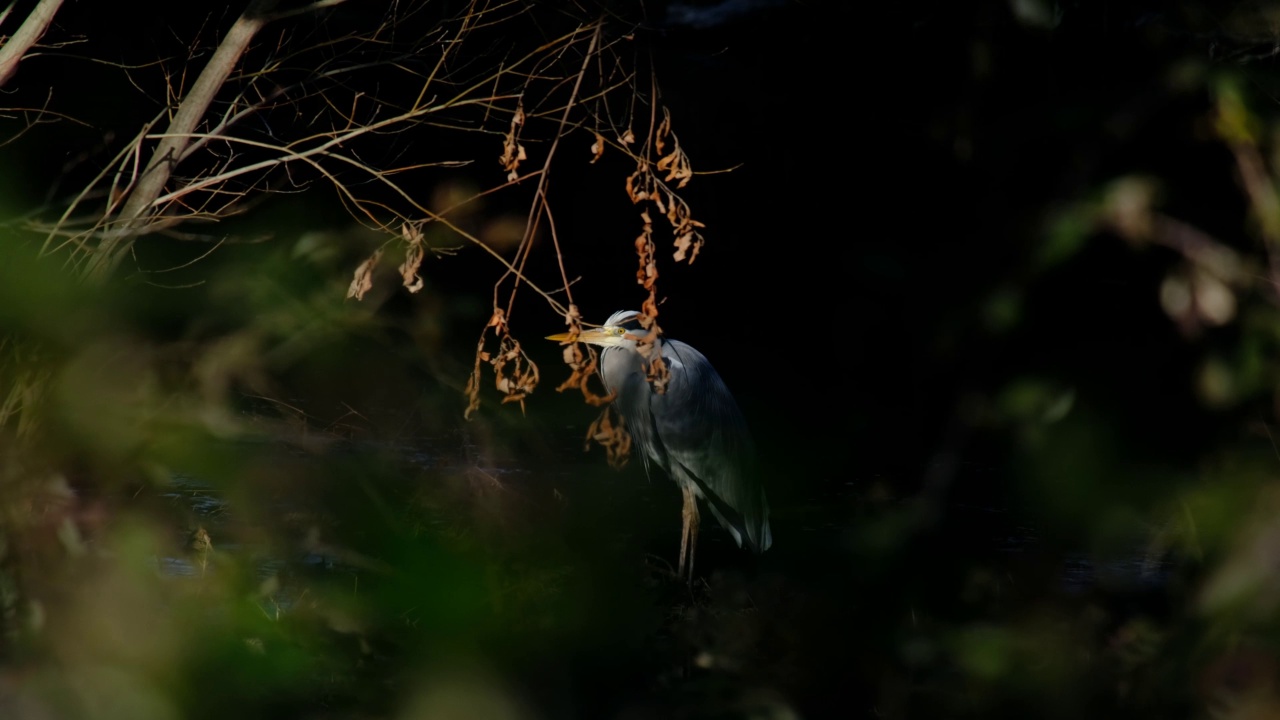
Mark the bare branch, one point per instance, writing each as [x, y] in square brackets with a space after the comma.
[193, 108]
[28, 35]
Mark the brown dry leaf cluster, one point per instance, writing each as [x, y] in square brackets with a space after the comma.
[362, 282]
[597, 147]
[688, 239]
[415, 252]
[647, 275]
[515, 374]
[413, 255]
[584, 366]
[610, 431]
[512, 151]
[643, 185]
[676, 163]
[649, 346]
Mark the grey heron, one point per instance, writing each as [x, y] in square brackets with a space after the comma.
[694, 431]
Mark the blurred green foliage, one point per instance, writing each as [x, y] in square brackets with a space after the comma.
[1043, 483]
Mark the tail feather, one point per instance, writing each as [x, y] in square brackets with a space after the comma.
[756, 539]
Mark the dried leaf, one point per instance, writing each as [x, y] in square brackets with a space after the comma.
[676, 209]
[610, 431]
[648, 272]
[639, 184]
[513, 152]
[515, 374]
[677, 166]
[573, 355]
[413, 256]
[597, 148]
[664, 129]
[362, 282]
[682, 246]
[649, 308]
[583, 365]
[508, 156]
[657, 200]
[658, 373]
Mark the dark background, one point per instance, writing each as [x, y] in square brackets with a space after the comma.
[1002, 479]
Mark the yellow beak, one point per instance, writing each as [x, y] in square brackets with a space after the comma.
[593, 336]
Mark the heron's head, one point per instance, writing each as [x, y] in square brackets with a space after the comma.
[622, 329]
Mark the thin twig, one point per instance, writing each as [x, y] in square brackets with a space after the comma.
[540, 193]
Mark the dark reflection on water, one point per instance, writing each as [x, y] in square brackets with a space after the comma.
[195, 494]
[559, 572]
[819, 523]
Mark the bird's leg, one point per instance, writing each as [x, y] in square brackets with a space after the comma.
[694, 521]
[688, 532]
[684, 530]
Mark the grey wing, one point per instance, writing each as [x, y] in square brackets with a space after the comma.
[706, 441]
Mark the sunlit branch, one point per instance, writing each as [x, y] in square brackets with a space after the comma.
[26, 37]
